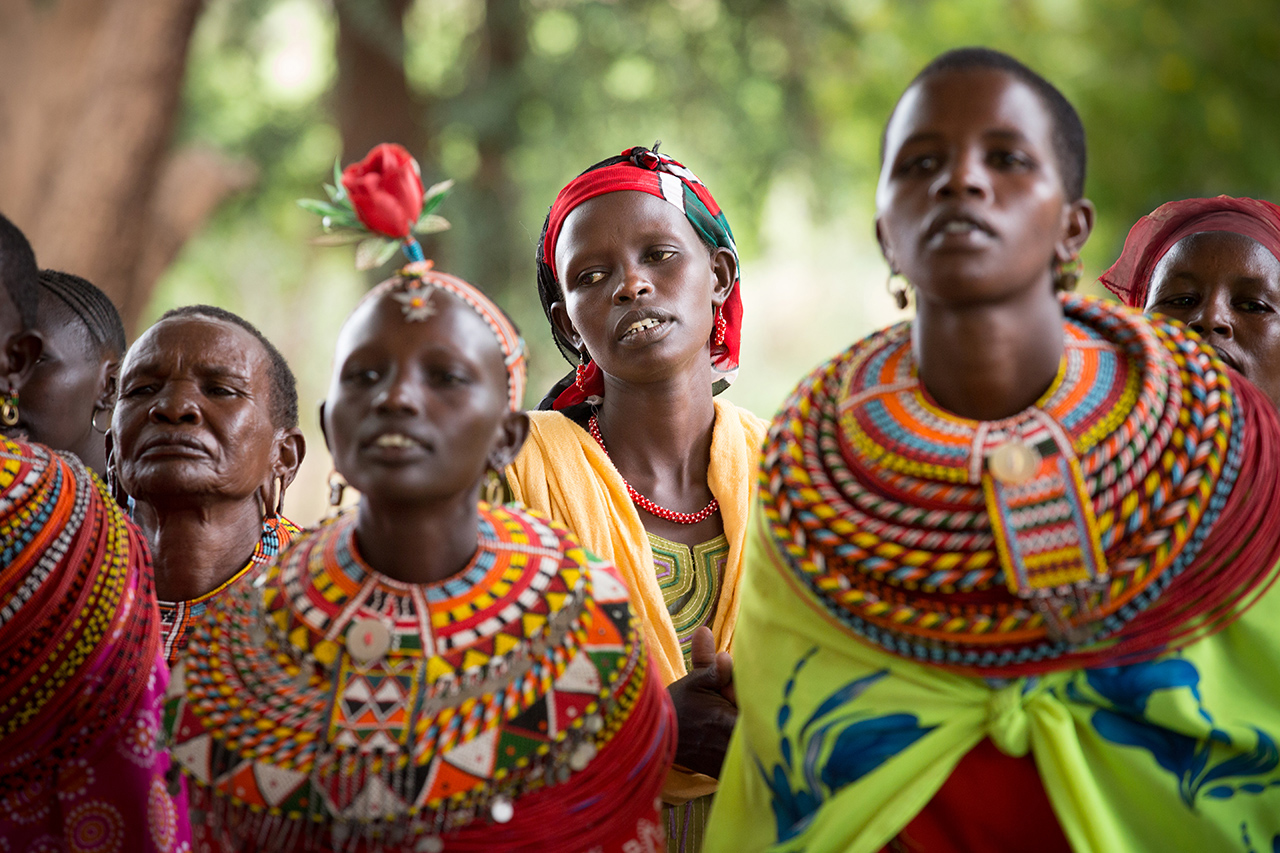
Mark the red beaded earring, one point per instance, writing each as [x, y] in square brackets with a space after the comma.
[581, 380]
[717, 337]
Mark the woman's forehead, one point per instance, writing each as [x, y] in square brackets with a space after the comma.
[383, 320]
[176, 341]
[979, 100]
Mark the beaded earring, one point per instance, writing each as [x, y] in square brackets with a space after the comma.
[9, 408]
[1067, 273]
[581, 378]
[717, 337]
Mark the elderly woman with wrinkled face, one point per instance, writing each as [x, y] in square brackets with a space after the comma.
[205, 442]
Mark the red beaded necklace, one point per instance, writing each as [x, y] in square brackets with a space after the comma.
[647, 505]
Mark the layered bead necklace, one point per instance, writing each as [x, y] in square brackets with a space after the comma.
[647, 505]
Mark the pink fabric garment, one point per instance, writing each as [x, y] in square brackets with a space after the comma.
[1155, 234]
[113, 799]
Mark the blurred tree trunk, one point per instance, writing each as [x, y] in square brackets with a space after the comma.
[90, 96]
[496, 262]
[373, 102]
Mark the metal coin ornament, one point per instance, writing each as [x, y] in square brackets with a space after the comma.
[1014, 462]
[367, 640]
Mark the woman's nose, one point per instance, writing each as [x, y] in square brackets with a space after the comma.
[1213, 318]
[964, 174]
[175, 404]
[635, 283]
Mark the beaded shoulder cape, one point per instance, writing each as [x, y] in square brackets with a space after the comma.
[78, 629]
[1072, 533]
[326, 693]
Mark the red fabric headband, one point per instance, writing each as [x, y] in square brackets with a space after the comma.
[609, 179]
[1154, 235]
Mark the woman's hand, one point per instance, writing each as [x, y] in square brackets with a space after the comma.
[706, 706]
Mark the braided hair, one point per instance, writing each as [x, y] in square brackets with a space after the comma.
[90, 304]
[18, 272]
[284, 388]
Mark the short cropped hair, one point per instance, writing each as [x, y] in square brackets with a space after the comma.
[1068, 131]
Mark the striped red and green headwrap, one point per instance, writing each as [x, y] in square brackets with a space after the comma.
[643, 170]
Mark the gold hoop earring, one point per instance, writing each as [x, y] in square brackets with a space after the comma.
[899, 294]
[93, 420]
[494, 492]
[9, 408]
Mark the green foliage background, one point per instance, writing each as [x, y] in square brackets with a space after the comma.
[778, 106]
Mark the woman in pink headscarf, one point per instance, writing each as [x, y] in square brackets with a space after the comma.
[1214, 264]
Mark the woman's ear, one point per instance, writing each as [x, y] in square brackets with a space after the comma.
[564, 326]
[512, 432]
[21, 352]
[884, 248]
[724, 272]
[291, 448]
[1077, 225]
[108, 385]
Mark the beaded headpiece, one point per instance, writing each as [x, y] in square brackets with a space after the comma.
[379, 204]
[413, 285]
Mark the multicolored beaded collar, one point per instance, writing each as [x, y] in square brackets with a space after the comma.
[1027, 543]
[327, 693]
[78, 634]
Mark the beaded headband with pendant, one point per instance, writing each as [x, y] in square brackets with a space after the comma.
[379, 204]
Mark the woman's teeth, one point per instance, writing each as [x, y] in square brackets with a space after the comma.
[395, 440]
[958, 226]
[641, 325]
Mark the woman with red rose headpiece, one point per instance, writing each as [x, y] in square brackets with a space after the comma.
[1214, 264]
[426, 671]
[638, 275]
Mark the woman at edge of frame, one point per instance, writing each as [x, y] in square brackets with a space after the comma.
[1007, 578]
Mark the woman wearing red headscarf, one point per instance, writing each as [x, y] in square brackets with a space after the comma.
[638, 275]
[1214, 264]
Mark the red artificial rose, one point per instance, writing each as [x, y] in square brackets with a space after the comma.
[385, 189]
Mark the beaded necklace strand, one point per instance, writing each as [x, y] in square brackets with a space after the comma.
[647, 505]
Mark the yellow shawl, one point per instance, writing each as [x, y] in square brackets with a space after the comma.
[564, 473]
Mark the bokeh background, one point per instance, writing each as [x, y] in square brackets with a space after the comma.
[157, 146]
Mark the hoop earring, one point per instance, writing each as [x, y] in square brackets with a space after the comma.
[93, 420]
[581, 373]
[9, 408]
[1067, 273]
[899, 294]
[337, 485]
[717, 336]
[494, 492]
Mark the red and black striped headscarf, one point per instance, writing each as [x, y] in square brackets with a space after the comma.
[643, 170]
